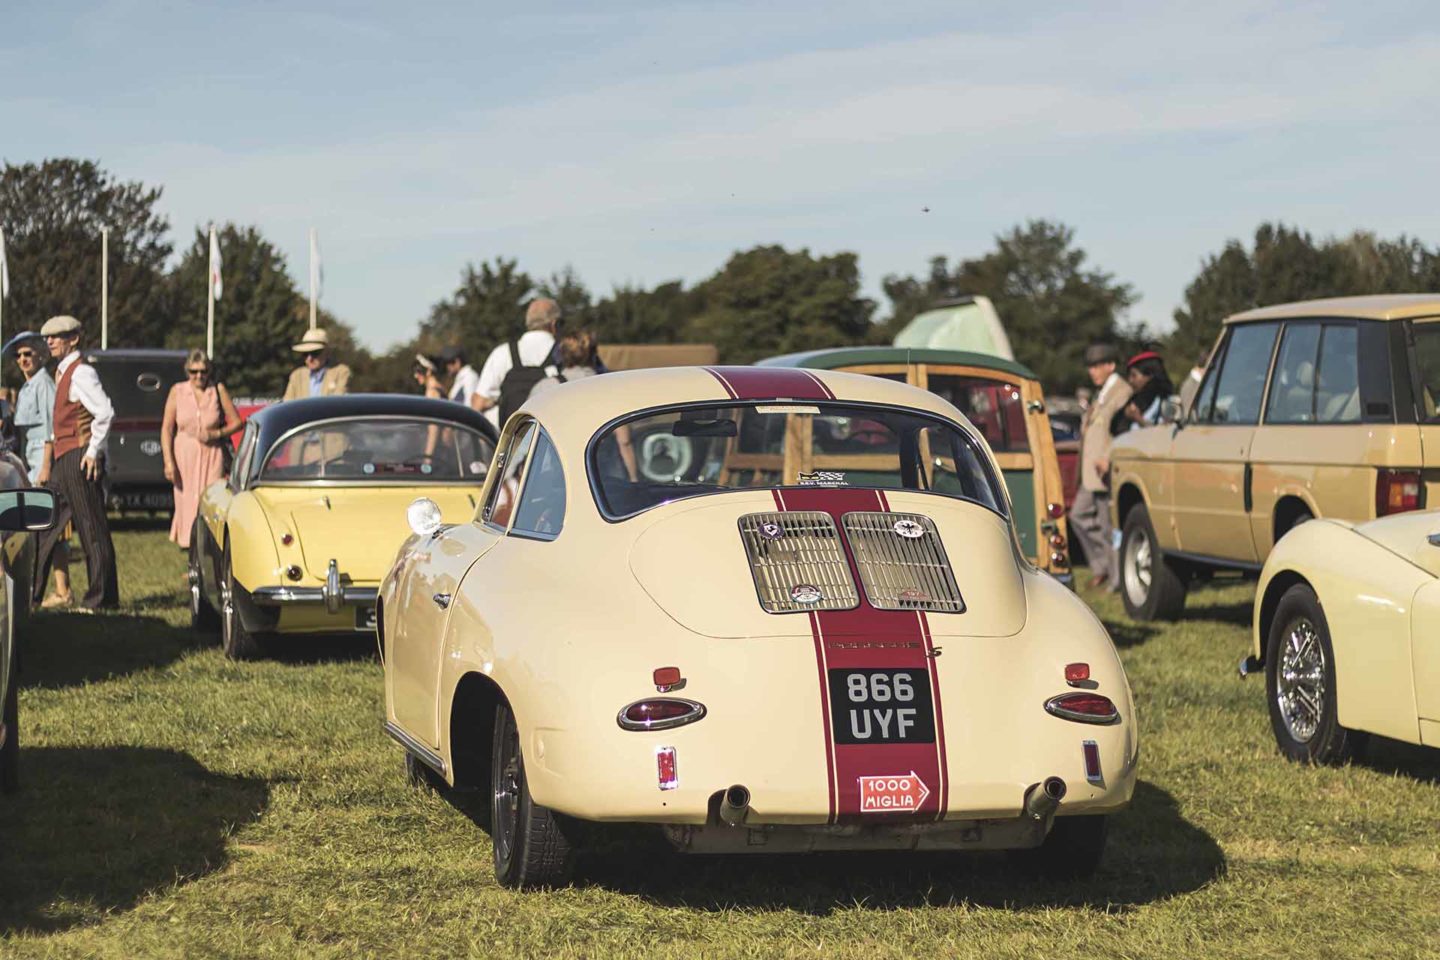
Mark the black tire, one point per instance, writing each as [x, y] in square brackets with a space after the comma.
[10, 753]
[1300, 684]
[1071, 851]
[203, 616]
[531, 849]
[417, 774]
[237, 642]
[1151, 585]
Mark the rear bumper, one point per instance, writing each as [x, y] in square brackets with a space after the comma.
[287, 609]
[281, 596]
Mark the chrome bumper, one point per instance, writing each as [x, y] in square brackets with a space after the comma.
[334, 594]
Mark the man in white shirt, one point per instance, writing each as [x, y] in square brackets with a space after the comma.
[463, 378]
[533, 350]
[74, 463]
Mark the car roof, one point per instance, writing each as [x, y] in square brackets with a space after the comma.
[128, 353]
[279, 419]
[853, 356]
[1387, 306]
[574, 411]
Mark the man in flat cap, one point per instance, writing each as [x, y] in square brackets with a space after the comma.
[316, 376]
[513, 368]
[1090, 513]
[73, 464]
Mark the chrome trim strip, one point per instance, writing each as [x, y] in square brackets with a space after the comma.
[1053, 707]
[697, 712]
[277, 595]
[417, 749]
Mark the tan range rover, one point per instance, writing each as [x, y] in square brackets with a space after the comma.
[1326, 408]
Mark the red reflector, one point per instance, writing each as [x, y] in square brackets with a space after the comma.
[1091, 750]
[1077, 672]
[665, 769]
[286, 539]
[1083, 708]
[666, 677]
[1396, 491]
[1056, 510]
[661, 713]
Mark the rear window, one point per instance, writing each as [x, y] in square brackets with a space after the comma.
[670, 454]
[394, 449]
[993, 406]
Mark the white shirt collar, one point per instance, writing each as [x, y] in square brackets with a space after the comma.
[67, 360]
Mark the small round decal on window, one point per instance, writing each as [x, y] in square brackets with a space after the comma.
[805, 593]
[909, 529]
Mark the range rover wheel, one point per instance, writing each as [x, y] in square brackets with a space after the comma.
[10, 753]
[1071, 851]
[1150, 584]
[531, 850]
[1300, 683]
[237, 642]
[202, 615]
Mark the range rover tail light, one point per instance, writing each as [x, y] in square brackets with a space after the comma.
[1397, 491]
[660, 713]
[1083, 708]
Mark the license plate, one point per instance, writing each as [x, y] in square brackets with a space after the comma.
[885, 705]
[364, 618]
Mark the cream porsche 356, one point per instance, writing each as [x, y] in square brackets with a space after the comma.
[1347, 634]
[296, 538]
[767, 610]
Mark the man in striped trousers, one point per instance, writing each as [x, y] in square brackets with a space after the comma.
[74, 463]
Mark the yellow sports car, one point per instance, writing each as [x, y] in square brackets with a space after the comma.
[1347, 633]
[296, 538]
[764, 609]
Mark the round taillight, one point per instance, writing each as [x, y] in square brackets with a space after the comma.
[660, 713]
[286, 539]
[1083, 708]
[1056, 510]
[1057, 541]
[293, 572]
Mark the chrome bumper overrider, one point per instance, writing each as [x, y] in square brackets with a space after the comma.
[276, 596]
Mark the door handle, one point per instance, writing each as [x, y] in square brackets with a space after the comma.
[1434, 539]
[442, 600]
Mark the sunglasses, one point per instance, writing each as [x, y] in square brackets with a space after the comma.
[198, 372]
[25, 354]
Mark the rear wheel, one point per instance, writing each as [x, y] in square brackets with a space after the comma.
[202, 615]
[1300, 683]
[530, 848]
[10, 753]
[1071, 851]
[237, 642]
[1150, 584]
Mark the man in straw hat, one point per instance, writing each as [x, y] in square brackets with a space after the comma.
[317, 377]
[73, 464]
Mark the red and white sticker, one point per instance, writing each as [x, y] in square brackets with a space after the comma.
[900, 793]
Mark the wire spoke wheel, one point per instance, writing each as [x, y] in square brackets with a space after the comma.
[1300, 681]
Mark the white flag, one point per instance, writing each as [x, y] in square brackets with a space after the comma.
[216, 284]
[4, 268]
[317, 270]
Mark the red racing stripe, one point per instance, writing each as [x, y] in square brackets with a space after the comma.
[771, 383]
[869, 639]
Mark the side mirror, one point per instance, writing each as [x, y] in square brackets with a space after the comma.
[1171, 410]
[30, 509]
[424, 516]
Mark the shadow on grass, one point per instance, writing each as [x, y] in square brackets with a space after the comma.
[1401, 759]
[304, 649]
[93, 830]
[1153, 853]
[1128, 633]
[71, 649]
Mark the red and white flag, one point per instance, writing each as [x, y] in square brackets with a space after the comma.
[216, 284]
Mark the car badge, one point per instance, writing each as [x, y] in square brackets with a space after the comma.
[909, 529]
[805, 593]
[771, 531]
[912, 595]
[150, 448]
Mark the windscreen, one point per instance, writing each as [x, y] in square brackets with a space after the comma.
[666, 455]
[394, 449]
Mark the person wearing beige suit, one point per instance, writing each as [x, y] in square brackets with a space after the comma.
[1090, 513]
[317, 377]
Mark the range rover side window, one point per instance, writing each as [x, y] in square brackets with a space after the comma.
[501, 502]
[541, 513]
[1337, 382]
[1292, 388]
[1204, 401]
[1241, 384]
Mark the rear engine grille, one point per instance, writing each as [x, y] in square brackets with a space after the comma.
[798, 562]
[902, 562]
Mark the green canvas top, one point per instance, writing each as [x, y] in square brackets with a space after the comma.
[837, 357]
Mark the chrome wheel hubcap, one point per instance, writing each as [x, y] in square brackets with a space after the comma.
[1300, 681]
[1137, 567]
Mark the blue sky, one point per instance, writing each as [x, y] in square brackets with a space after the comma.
[646, 142]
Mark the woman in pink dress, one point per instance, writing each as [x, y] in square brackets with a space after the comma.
[199, 419]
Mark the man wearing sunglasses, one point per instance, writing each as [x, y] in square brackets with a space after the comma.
[74, 462]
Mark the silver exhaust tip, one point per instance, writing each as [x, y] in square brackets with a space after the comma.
[1042, 799]
[734, 805]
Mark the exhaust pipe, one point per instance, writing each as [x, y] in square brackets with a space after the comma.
[1043, 798]
[734, 805]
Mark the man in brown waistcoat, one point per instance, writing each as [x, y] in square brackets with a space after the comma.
[74, 462]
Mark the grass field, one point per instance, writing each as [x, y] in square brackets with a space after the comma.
[175, 804]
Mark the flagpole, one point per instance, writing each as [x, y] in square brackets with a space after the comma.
[104, 288]
[210, 298]
[314, 294]
[4, 284]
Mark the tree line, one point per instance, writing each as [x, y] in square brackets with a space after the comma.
[763, 301]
